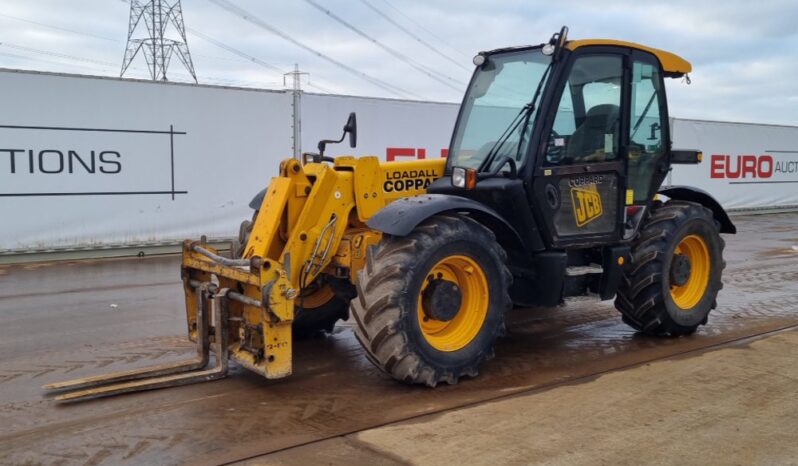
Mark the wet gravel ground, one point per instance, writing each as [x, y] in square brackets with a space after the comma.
[66, 320]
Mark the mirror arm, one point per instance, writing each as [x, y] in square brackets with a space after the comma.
[323, 143]
[350, 128]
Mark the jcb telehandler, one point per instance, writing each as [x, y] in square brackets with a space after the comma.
[551, 189]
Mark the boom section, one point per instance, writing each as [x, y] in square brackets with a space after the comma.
[311, 222]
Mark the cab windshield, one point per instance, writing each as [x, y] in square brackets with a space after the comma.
[494, 105]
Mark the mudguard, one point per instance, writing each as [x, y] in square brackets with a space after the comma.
[400, 217]
[256, 201]
[689, 193]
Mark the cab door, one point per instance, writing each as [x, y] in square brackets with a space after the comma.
[581, 176]
[649, 132]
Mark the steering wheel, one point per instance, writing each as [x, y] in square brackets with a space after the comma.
[553, 151]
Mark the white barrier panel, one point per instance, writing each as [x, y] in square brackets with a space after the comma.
[745, 165]
[91, 161]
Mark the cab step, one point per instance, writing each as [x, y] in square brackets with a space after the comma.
[578, 270]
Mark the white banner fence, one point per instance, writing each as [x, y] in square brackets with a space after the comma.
[98, 162]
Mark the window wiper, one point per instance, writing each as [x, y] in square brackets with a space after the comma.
[529, 113]
[523, 116]
[494, 150]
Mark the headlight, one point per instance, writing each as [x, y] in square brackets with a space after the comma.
[465, 178]
[458, 177]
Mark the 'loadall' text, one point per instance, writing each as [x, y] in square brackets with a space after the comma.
[408, 180]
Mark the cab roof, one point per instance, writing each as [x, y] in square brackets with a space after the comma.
[672, 64]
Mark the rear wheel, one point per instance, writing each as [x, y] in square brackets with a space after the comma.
[431, 304]
[675, 274]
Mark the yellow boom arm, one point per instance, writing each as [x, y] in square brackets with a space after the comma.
[311, 221]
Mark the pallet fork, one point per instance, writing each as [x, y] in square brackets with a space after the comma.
[210, 300]
[249, 301]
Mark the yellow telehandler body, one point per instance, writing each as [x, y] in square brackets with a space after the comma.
[552, 187]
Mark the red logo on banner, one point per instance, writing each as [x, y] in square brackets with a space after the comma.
[391, 153]
[741, 166]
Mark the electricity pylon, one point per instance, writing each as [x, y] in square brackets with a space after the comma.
[157, 15]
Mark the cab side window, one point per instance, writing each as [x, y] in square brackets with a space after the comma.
[646, 147]
[587, 123]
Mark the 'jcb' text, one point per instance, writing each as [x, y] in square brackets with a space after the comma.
[587, 204]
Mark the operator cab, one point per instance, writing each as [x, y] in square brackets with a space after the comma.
[567, 140]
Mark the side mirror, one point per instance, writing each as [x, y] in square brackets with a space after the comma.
[351, 129]
[690, 157]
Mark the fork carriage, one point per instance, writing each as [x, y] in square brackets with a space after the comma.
[247, 302]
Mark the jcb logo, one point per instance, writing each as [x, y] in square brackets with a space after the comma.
[587, 204]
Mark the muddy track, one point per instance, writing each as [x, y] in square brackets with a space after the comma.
[334, 390]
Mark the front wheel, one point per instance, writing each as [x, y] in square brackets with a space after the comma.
[431, 304]
[317, 310]
[673, 280]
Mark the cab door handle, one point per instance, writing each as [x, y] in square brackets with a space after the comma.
[552, 196]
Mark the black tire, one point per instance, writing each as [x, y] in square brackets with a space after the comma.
[238, 244]
[308, 322]
[386, 309]
[644, 296]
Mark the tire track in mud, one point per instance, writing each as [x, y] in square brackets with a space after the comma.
[108, 357]
[314, 414]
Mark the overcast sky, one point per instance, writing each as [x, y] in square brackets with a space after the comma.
[744, 53]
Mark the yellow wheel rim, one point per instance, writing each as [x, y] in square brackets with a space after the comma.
[317, 298]
[686, 296]
[455, 334]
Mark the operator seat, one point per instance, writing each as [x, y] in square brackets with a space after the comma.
[589, 136]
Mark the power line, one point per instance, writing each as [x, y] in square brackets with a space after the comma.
[247, 57]
[412, 34]
[51, 26]
[57, 54]
[246, 15]
[416, 65]
[58, 28]
[235, 51]
[51, 62]
[421, 26]
[103, 64]
[240, 54]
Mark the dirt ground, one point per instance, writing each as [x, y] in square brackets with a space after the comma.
[569, 384]
[733, 406]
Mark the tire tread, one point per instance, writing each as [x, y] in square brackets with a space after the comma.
[640, 295]
[381, 283]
